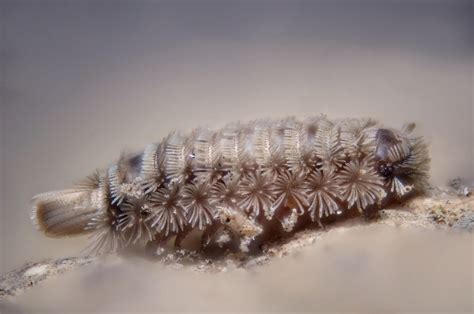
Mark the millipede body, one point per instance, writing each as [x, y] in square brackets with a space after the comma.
[240, 186]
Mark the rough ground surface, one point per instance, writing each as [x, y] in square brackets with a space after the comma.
[440, 208]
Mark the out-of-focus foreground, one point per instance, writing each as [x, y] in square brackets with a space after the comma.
[414, 258]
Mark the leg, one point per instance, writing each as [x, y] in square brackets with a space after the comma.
[180, 237]
[208, 233]
[371, 212]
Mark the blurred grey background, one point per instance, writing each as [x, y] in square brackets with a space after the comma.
[83, 80]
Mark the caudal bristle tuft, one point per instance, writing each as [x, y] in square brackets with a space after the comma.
[63, 213]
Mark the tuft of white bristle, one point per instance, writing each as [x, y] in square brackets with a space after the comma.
[324, 193]
[90, 182]
[269, 150]
[179, 157]
[257, 195]
[166, 213]
[226, 192]
[152, 173]
[361, 185]
[236, 149]
[105, 237]
[355, 136]
[196, 199]
[208, 161]
[328, 146]
[299, 142]
[133, 222]
[116, 177]
[289, 187]
[65, 212]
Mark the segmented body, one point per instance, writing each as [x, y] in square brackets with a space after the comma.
[249, 179]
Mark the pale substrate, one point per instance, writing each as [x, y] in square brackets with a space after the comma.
[414, 257]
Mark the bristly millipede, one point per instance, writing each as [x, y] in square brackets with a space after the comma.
[240, 185]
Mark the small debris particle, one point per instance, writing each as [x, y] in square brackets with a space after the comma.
[36, 271]
[466, 223]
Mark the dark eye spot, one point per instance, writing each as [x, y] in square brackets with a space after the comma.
[227, 220]
[145, 213]
[385, 170]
